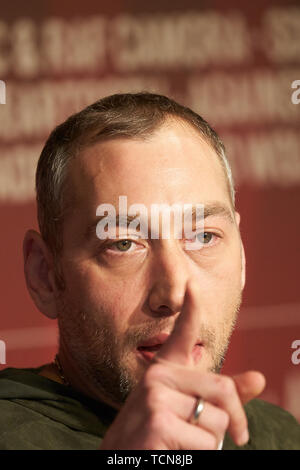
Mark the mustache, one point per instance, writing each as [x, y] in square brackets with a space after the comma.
[145, 331]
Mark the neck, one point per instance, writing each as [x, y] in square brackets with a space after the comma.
[76, 380]
[50, 371]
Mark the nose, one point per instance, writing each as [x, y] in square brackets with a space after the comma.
[170, 272]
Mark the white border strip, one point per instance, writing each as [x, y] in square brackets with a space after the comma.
[269, 316]
[250, 318]
[29, 338]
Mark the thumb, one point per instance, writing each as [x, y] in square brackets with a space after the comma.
[249, 384]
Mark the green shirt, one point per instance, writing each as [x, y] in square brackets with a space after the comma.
[38, 413]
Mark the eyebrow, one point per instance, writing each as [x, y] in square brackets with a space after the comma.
[211, 209]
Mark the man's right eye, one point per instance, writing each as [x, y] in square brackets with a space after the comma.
[122, 245]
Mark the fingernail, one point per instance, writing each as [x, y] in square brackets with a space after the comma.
[244, 438]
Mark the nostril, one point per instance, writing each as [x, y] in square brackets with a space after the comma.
[164, 309]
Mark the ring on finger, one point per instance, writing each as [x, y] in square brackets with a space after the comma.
[198, 411]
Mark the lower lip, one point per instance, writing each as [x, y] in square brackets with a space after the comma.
[149, 355]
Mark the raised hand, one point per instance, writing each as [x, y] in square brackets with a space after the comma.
[157, 413]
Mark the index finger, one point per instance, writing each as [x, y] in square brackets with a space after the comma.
[179, 346]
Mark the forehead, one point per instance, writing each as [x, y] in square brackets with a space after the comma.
[174, 165]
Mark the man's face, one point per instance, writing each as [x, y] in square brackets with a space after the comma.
[120, 294]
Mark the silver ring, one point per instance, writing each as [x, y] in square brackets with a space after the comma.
[198, 410]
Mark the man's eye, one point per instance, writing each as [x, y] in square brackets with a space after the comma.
[123, 245]
[201, 240]
[204, 237]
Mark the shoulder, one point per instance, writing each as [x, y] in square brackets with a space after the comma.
[270, 428]
[25, 429]
[18, 425]
[37, 413]
[260, 408]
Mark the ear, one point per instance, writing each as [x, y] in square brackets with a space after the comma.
[39, 273]
[243, 273]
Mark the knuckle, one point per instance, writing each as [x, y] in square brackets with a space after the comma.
[155, 372]
[154, 422]
[211, 442]
[243, 423]
[227, 386]
[155, 396]
[157, 421]
[223, 420]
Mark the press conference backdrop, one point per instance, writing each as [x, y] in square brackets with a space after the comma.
[237, 64]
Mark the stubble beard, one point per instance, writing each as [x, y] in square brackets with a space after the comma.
[104, 360]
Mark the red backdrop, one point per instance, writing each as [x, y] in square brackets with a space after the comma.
[234, 65]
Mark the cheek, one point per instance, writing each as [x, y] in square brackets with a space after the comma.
[94, 290]
[225, 271]
[221, 285]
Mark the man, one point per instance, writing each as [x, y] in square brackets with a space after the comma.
[144, 321]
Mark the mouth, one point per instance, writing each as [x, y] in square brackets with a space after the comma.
[149, 348]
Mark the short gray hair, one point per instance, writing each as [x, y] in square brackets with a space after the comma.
[129, 115]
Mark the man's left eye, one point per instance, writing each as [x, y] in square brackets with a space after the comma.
[204, 237]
